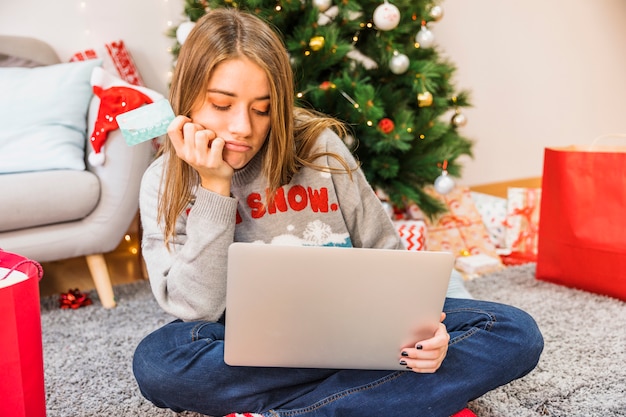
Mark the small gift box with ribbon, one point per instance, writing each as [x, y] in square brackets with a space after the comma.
[116, 59]
[522, 222]
[461, 229]
[493, 210]
[412, 233]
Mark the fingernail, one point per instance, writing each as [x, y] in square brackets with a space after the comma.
[404, 353]
[402, 362]
[418, 347]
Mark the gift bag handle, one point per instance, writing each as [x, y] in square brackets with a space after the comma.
[24, 261]
[609, 135]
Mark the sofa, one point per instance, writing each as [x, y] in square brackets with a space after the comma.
[56, 204]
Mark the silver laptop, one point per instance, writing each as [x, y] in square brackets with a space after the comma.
[330, 307]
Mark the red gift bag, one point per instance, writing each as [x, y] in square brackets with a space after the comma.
[22, 391]
[582, 226]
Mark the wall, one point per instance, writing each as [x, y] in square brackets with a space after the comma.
[71, 26]
[542, 73]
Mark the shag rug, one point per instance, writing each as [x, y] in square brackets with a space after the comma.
[582, 372]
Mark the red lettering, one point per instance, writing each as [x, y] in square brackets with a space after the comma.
[297, 198]
[319, 199]
[279, 203]
[257, 210]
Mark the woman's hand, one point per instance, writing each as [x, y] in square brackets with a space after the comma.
[202, 150]
[427, 355]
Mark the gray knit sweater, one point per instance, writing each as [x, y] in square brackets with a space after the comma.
[315, 208]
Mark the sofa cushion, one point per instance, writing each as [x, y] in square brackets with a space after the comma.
[16, 61]
[38, 198]
[44, 113]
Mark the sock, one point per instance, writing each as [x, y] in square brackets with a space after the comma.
[466, 412]
[244, 415]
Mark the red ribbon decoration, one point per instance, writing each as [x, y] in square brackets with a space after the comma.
[526, 239]
[450, 219]
[74, 299]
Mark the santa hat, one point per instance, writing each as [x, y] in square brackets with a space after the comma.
[116, 97]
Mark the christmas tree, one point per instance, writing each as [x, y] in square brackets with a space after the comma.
[376, 67]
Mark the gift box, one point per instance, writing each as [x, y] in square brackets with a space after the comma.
[522, 222]
[115, 58]
[477, 264]
[22, 386]
[412, 233]
[493, 211]
[461, 229]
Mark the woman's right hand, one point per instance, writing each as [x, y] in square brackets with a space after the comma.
[202, 150]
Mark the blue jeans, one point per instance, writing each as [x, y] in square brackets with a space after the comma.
[180, 366]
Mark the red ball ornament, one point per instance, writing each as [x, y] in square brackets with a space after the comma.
[326, 85]
[386, 125]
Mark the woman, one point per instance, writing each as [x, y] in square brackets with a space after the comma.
[236, 151]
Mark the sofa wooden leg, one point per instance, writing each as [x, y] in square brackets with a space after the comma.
[100, 275]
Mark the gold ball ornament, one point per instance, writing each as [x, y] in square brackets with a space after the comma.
[317, 42]
[424, 99]
[459, 119]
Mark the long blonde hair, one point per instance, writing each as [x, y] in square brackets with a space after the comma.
[221, 35]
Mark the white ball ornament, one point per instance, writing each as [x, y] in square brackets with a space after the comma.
[425, 37]
[444, 184]
[322, 5]
[399, 63]
[183, 31]
[386, 16]
[436, 13]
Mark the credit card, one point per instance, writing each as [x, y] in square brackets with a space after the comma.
[146, 122]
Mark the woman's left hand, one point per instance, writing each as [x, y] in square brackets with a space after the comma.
[427, 355]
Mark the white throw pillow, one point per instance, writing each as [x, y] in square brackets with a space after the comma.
[44, 116]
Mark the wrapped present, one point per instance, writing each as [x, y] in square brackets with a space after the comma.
[477, 264]
[413, 212]
[461, 240]
[412, 233]
[446, 239]
[522, 222]
[22, 385]
[461, 229]
[493, 211]
[115, 58]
